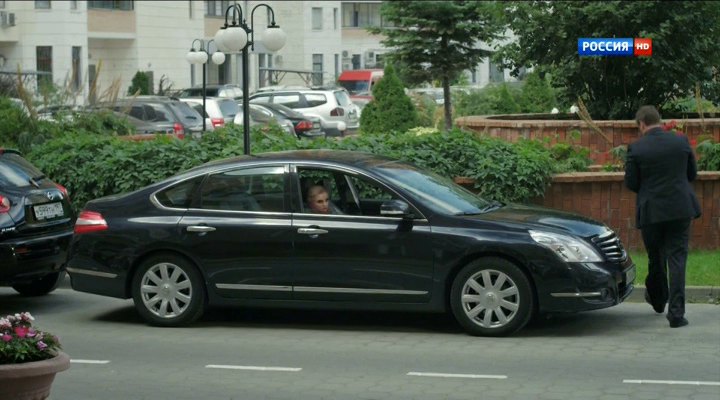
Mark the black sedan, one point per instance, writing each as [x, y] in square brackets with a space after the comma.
[36, 224]
[242, 231]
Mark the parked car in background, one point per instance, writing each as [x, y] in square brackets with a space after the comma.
[160, 109]
[239, 232]
[359, 83]
[218, 111]
[263, 116]
[225, 90]
[336, 111]
[304, 126]
[36, 224]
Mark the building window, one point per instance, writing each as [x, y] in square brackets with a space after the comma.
[316, 18]
[495, 72]
[360, 15]
[190, 9]
[42, 5]
[73, 4]
[335, 18]
[43, 55]
[76, 67]
[216, 8]
[317, 68]
[473, 76]
[2, 3]
[265, 62]
[125, 5]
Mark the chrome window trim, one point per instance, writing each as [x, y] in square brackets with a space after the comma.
[319, 289]
[91, 273]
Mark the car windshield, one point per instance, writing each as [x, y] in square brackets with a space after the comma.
[16, 172]
[228, 108]
[356, 87]
[436, 192]
[195, 92]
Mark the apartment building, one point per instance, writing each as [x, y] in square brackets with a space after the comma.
[74, 42]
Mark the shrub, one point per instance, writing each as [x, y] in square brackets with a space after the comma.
[140, 84]
[537, 95]
[708, 156]
[391, 110]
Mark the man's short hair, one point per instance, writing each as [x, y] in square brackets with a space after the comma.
[647, 114]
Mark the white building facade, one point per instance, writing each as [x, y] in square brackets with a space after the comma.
[75, 43]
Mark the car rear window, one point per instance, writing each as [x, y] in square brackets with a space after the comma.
[342, 98]
[180, 195]
[228, 108]
[315, 99]
[288, 100]
[16, 172]
[185, 111]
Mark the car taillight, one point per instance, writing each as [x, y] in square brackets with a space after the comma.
[64, 190]
[89, 221]
[178, 130]
[337, 112]
[4, 204]
[303, 126]
[216, 122]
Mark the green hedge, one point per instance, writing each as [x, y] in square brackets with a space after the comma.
[92, 166]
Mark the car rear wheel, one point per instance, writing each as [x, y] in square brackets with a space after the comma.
[41, 286]
[168, 291]
[492, 297]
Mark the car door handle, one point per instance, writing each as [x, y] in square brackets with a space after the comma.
[311, 231]
[200, 228]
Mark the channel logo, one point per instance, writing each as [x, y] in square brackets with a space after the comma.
[615, 47]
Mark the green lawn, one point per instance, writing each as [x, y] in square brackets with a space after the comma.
[703, 267]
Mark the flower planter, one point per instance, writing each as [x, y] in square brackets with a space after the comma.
[31, 380]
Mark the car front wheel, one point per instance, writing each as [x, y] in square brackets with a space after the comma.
[168, 291]
[492, 297]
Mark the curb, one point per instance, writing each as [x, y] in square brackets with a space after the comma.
[693, 294]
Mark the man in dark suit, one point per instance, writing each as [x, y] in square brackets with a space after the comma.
[659, 168]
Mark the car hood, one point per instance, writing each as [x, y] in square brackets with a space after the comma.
[535, 217]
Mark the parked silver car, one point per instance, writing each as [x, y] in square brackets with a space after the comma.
[260, 115]
[338, 114]
[218, 111]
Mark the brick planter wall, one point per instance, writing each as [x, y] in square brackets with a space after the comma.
[603, 196]
[514, 127]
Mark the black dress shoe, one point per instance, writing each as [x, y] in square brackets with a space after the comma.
[658, 308]
[678, 322]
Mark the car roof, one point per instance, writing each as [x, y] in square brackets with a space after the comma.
[340, 157]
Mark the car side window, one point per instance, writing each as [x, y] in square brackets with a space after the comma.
[288, 100]
[180, 195]
[199, 109]
[370, 195]
[250, 189]
[315, 99]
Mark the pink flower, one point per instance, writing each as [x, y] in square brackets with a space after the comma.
[41, 345]
[6, 338]
[21, 331]
[31, 332]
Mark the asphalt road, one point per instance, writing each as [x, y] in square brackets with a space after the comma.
[625, 352]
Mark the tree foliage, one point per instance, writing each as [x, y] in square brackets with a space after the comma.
[686, 44]
[140, 84]
[391, 109]
[438, 40]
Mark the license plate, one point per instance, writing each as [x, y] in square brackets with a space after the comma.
[48, 211]
[316, 125]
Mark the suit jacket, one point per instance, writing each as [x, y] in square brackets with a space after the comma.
[659, 168]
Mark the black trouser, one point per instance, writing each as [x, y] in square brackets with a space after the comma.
[667, 248]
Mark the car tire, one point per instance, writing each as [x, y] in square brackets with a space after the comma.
[40, 287]
[492, 297]
[168, 290]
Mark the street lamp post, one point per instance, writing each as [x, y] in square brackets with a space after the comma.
[200, 56]
[237, 36]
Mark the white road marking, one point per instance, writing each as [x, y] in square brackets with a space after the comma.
[77, 361]
[695, 383]
[255, 368]
[441, 375]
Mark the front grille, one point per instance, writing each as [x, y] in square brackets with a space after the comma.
[609, 244]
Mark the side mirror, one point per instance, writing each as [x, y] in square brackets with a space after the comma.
[395, 208]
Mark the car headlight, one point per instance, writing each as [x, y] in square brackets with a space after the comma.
[566, 247]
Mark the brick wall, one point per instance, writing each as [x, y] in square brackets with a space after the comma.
[614, 133]
[603, 196]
